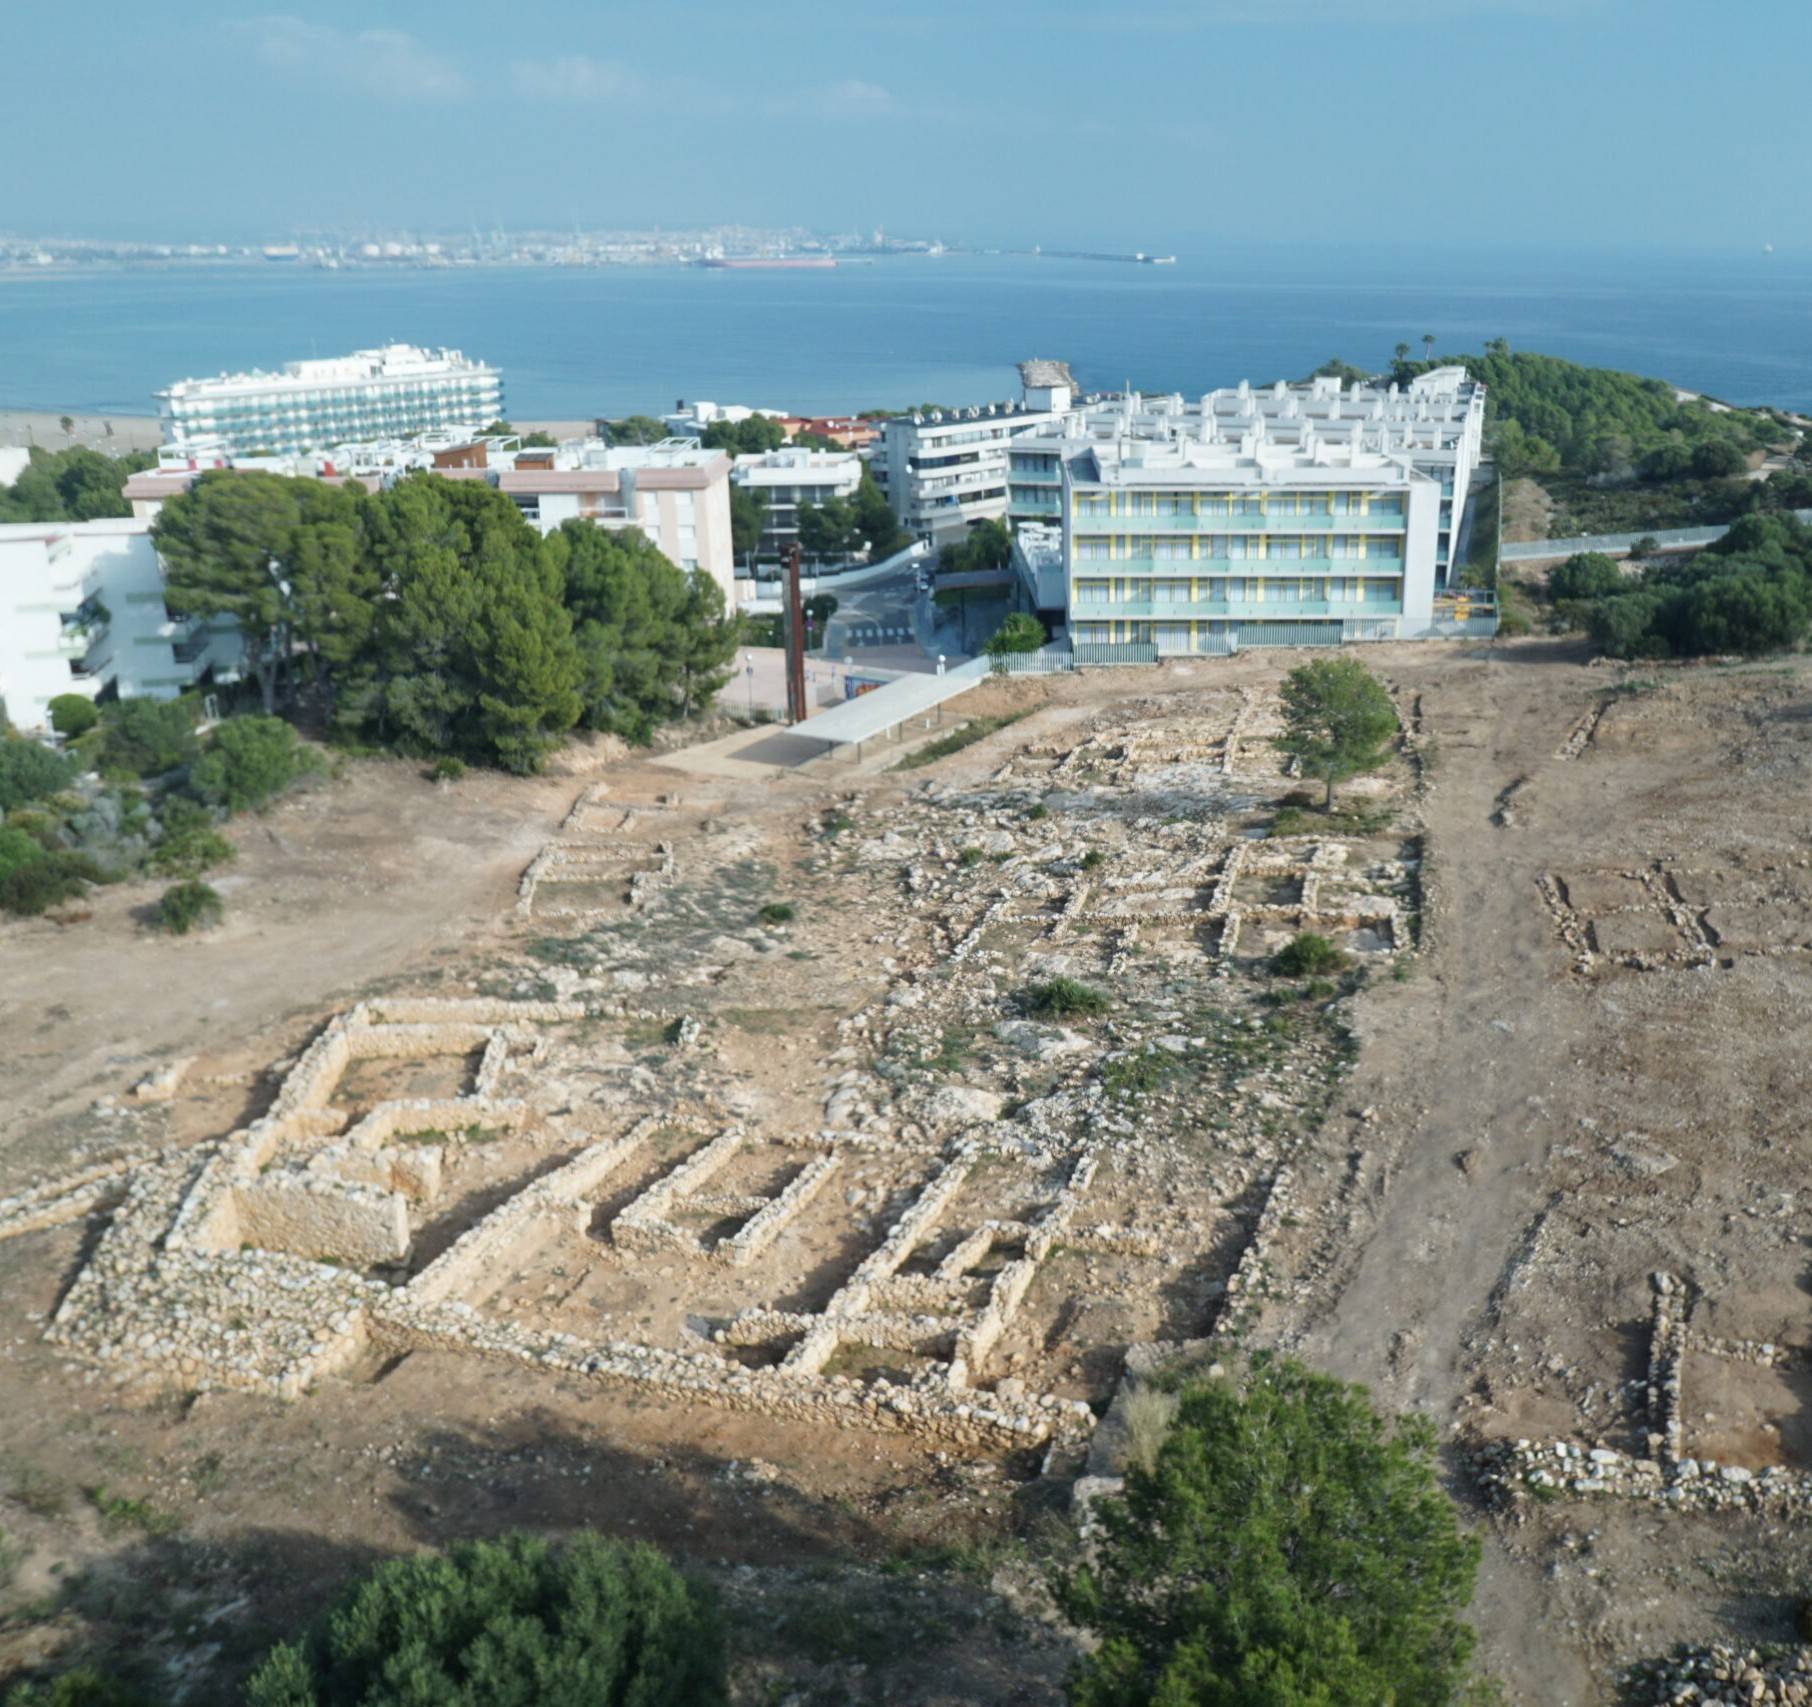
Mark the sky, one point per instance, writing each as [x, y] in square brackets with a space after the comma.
[1664, 123]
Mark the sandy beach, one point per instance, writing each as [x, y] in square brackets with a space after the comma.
[36, 427]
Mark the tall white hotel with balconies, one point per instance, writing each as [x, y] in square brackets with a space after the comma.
[395, 392]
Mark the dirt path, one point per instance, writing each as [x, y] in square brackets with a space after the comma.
[1457, 1074]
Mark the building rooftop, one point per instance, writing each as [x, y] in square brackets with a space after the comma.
[393, 362]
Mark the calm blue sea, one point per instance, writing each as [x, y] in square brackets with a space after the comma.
[575, 343]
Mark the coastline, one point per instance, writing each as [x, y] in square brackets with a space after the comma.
[45, 427]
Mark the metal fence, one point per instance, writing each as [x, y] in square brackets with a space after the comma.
[1093, 654]
[1050, 661]
[1289, 634]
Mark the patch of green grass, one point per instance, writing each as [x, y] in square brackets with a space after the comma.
[1137, 1074]
[1295, 820]
[41, 1493]
[1040, 810]
[1063, 998]
[977, 729]
[970, 856]
[120, 1513]
[833, 824]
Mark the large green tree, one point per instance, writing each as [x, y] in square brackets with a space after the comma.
[748, 516]
[1338, 720]
[653, 641]
[73, 485]
[509, 1623]
[1286, 1548]
[226, 545]
[471, 650]
[875, 521]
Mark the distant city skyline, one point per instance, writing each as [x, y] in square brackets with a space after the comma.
[1527, 122]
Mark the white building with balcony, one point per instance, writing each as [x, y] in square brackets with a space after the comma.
[784, 479]
[82, 608]
[1437, 423]
[946, 470]
[392, 392]
[1202, 529]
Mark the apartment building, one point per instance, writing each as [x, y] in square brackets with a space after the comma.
[784, 479]
[1196, 530]
[946, 470]
[1437, 422]
[82, 609]
[393, 392]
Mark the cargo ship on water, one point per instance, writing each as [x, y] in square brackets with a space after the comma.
[768, 263]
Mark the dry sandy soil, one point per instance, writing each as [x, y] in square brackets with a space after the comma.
[1529, 1127]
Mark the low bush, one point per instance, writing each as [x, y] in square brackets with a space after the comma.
[189, 906]
[29, 771]
[42, 884]
[508, 1623]
[1064, 998]
[147, 737]
[190, 852]
[82, 1687]
[446, 768]
[17, 848]
[73, 714]
[775, 913]
[249, 762]
[1308, 956]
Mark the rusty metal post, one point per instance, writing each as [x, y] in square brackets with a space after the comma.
[797, 710]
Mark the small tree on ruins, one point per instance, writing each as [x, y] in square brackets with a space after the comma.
[1338, 720]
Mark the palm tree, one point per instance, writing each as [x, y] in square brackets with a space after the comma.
[1403, 352]
[1428, 343]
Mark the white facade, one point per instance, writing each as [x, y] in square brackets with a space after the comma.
[82, 607]
[787, 478]
[371, 394]
[1437, 422]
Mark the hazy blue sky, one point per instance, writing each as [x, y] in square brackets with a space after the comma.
[1668, 122]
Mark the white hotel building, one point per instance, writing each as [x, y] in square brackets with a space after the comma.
[394, 392]
[82, 608]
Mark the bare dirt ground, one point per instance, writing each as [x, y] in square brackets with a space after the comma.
[333, 890]
[1532, 1122]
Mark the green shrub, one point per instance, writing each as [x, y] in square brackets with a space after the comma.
[775, 913]
[73, 714]
[1018, 632]
[970, 856]
[188, 906]
[1093, 858]
[30, 772]
[147, 737]
[249, 761]
[41, 884]
[82, 1687]
[1063, 998]
[17, 848]
[446, 768]
[190, 852]
[508, 1623]
[1586, 575]
[1283, 1543]
[1307, 956]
